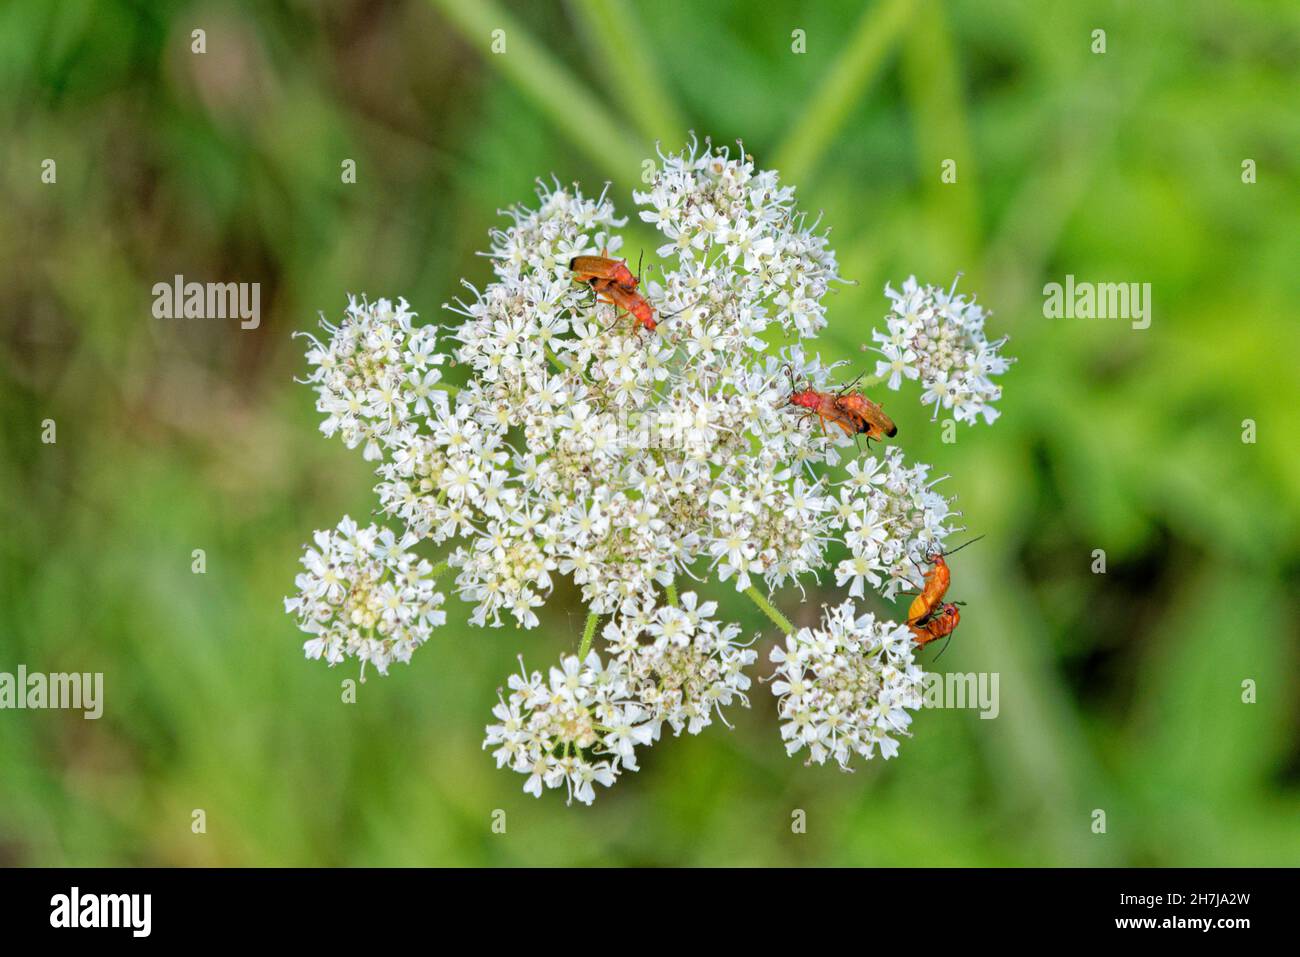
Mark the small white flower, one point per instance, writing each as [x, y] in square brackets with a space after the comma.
[365, 373]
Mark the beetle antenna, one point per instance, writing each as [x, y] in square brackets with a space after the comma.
[963, 545]
[779, 403]
[669, 315]
[852, 384]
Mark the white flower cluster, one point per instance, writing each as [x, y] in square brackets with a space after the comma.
[364, 595]
[623, 457]
[674, 665]
[845, 688]
[374, 373]
[682, 665]
[641, 452]
[737, 236]
[888, 514]
[576, 729]
[938, 337]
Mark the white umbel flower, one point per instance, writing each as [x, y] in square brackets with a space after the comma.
[575, 729]
[683, 666]
[720, 210]
[938, 337]
[846, 688]
[374, 372]
[888, 513]
[364, 595]
[627, 458]
[628, 439]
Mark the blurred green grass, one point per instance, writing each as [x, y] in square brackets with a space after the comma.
[1120, 692]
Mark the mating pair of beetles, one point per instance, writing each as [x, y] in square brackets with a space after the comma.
[613, 282]
[930, 617]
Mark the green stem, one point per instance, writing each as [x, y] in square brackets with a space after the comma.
[769, 609]
[588, 633]
[672, 594]
[561, 366]
[439, 568]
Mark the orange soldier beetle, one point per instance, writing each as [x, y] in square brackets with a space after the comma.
[936, 584]
[823, 405]
[643, 314]
[875, 423]
[589, 269]
[613, 282]
[939, 625]
[851, 411]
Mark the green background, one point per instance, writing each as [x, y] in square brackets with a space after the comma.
[1120, 692]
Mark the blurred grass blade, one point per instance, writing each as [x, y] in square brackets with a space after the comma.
[1036, 216]
[623, 57]
[556, 93]
[932, 87]
[1039, 741]
[848, 79]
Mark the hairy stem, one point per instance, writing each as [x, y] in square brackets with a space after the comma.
[588, 633]
[769, 609]
[866, 382]
[672, 593]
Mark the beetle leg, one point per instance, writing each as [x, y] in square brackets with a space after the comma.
[616, 316]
